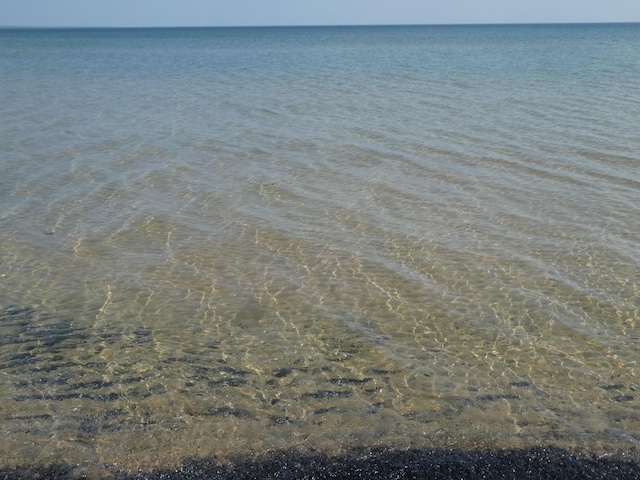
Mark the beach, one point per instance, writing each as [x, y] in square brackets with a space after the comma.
[303, 243]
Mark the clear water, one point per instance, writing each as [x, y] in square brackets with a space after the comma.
[216, 241]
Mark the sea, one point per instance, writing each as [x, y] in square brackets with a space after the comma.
[223, 241]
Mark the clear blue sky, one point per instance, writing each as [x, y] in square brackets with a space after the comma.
[145, 13]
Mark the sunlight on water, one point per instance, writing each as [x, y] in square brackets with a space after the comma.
[228, 240]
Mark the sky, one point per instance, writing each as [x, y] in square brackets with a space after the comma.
[160, 13]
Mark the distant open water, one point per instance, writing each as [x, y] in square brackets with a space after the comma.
[225, 240]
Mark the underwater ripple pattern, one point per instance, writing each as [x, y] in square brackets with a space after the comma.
[223, 239]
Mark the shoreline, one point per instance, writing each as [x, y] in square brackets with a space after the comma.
[370, 463]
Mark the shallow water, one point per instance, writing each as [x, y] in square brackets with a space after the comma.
[223, 240]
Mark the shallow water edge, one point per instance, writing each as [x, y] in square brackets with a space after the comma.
[369, 463]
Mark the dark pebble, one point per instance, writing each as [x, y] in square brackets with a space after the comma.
[58, 398]
[88, 425]
[17, 312]
[16, 362]
[281, 372]
[231, 371]
[617, 386]
[31, 417]
[349, 381]
[227, 382]
[380, 464]
[379, 371]
[324, 411]
[279, 420]
[523, 383]
[328, 394]
[492, 397]
[624, 398]
[52, 367]
[91, 385]
[157, 389]
[227, 412]
[112, 413]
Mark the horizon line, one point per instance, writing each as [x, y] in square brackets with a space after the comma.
[106, 27]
